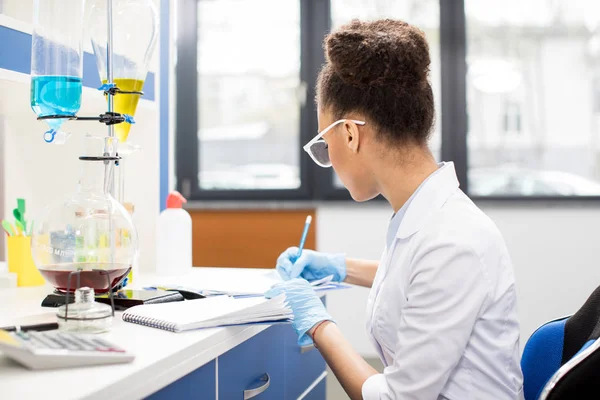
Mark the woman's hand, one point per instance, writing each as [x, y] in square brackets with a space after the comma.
[307, 307]
[311, 265]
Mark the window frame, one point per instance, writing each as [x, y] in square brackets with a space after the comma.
[314, 17]
[318, 183]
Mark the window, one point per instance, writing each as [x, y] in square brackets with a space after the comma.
[516, 86]
[245, 74]
[533, 66]
[249, 95]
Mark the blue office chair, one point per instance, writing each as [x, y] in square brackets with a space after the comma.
[561, 359]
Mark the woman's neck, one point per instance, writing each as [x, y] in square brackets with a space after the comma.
[398, 180]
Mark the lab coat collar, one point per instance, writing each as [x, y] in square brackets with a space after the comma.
[432, 195]
[397, 217]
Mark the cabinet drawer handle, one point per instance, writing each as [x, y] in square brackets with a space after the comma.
[251, 393]
[307, 348]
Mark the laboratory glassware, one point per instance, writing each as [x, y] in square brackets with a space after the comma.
[57, 63]
[88, 231]
[85, 315]
[135, 25]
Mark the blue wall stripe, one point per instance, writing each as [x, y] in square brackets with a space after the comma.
[15, 55]
[15, 50]
[164, 101]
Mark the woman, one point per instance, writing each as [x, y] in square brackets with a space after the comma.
[441, 312]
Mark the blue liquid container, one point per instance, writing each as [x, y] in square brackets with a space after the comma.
[56, 62]
[55, 95]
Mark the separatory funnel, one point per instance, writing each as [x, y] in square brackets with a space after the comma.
[56, 62]
[135, 25]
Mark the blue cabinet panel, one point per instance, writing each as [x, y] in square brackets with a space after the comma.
[199, 384]
[274, 351]
[242, 367]
[301, 368]
[319, 392]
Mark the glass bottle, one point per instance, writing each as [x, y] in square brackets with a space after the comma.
[85, 315]
[135, 34]
[56, 62]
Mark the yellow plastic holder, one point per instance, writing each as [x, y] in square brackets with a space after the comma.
[21, 262]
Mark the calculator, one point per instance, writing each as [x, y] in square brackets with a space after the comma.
[56, 349]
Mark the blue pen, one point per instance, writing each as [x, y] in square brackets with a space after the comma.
[304, 233]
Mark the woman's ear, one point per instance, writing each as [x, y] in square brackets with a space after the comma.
[352, 136]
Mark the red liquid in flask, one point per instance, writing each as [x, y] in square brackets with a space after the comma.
[58, 275]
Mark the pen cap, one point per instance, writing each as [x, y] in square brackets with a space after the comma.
[175, 200]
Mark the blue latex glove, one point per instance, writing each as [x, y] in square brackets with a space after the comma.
[311, 265]
[307, 307]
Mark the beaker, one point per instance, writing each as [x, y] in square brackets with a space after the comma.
[56, 61]
[87, 231]
[135, 34]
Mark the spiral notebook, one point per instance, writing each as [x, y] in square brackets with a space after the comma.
[209, 313]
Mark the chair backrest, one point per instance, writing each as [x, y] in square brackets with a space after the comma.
[555, 343]
[579, 378]
[542, 356]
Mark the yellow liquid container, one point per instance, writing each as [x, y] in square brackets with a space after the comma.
[126, 103]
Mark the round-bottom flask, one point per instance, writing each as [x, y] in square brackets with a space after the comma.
[88, 232]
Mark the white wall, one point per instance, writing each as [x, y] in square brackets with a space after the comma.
[554, 251]
[359, 231]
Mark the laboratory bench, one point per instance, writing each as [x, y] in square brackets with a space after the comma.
[254, 361]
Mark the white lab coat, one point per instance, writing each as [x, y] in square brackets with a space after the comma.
[442, 312]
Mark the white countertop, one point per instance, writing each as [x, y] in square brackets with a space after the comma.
[161, 357]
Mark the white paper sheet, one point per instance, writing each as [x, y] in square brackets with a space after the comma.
[241, 283]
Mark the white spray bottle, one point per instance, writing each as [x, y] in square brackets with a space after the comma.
[174, 238]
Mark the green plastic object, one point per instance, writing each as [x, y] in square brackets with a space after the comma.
[21, 206]
[21, 227]
[8, 228]
[20, 221]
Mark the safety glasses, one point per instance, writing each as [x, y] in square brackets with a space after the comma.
[317, 148]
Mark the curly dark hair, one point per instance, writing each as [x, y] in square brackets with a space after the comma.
[380, 69]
